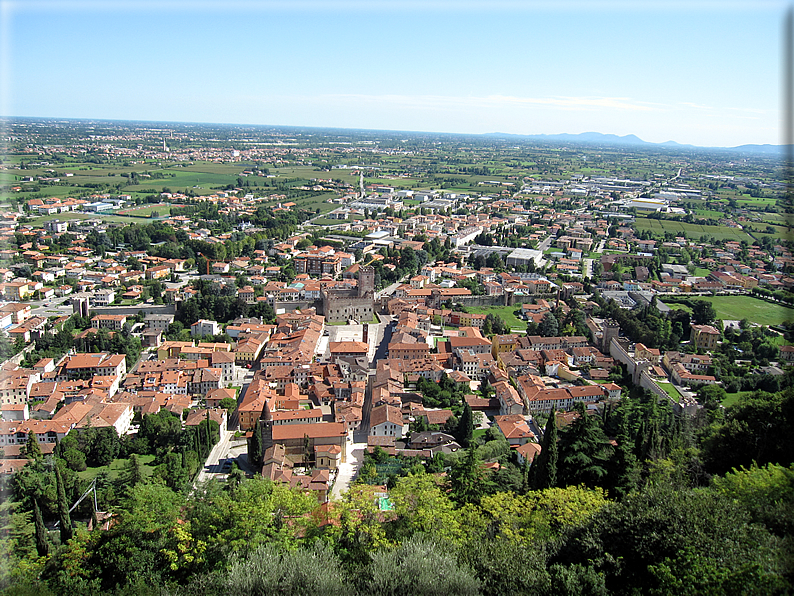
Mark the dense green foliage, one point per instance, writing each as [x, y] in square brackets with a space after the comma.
[645, 516]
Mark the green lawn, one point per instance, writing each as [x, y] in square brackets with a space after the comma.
[145, 211]
[694, 231]
[747, 307]
[701, 272]
[733, 398]
[709, 213]
[671, 390]
[736, 308]
[116, 466]
[324, 221]
[39, 221]
[506, 312]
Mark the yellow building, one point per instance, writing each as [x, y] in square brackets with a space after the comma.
[503, 343]
[705, 337]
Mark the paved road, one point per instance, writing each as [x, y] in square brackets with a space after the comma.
[542, 247]
[379, 342]
[587, 268]
[349, 469]
[219, 453]
[243, 378]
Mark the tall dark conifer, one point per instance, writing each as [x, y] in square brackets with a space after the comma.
[63, 509]
[256, 444]
[585, 451]
[465, 431]
[42, 538]
[545, 473]
[32, 448]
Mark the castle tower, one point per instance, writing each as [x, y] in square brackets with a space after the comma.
[81, 306]
[366, 282]
[611, 329]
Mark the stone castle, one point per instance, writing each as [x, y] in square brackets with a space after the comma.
[341, 305]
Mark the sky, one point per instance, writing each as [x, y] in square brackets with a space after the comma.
[700, 72]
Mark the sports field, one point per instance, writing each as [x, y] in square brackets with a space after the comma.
[146, 210]
[736, 308]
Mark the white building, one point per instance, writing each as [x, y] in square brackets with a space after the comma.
[204, 327]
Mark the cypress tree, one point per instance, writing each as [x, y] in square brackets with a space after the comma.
[585, 451]
[94, 518]
[63, 509]
[545, 476]
[42, 542]
[624, 469]
[32, 447]
[209, 438]
[256, 444]
[465, 430]
[132, 474]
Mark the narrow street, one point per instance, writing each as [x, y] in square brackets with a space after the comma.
[587, 268]
[349, 469]
[380, 336]
[219, 453]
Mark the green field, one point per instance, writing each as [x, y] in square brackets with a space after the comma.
[324, 221]
[709, 213]
[735, 308]
[506, 312]
[146, 210]
[201, 177]
[701, 272]
[733, 398]
[116, 466]
[693, 231]
[748, 200]
[38, 221]
[671, 390]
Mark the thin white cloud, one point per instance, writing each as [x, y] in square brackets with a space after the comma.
[694, 105]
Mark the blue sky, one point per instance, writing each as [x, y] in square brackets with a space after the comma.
[705, 73]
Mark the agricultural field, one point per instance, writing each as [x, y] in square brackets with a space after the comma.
[74, 216]
[749, 201]
[319, 201]
[694, 231]
[709, 213]
[198, 178]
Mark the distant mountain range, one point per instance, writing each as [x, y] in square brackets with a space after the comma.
[597, 138]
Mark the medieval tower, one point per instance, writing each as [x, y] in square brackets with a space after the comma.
[366, 282]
